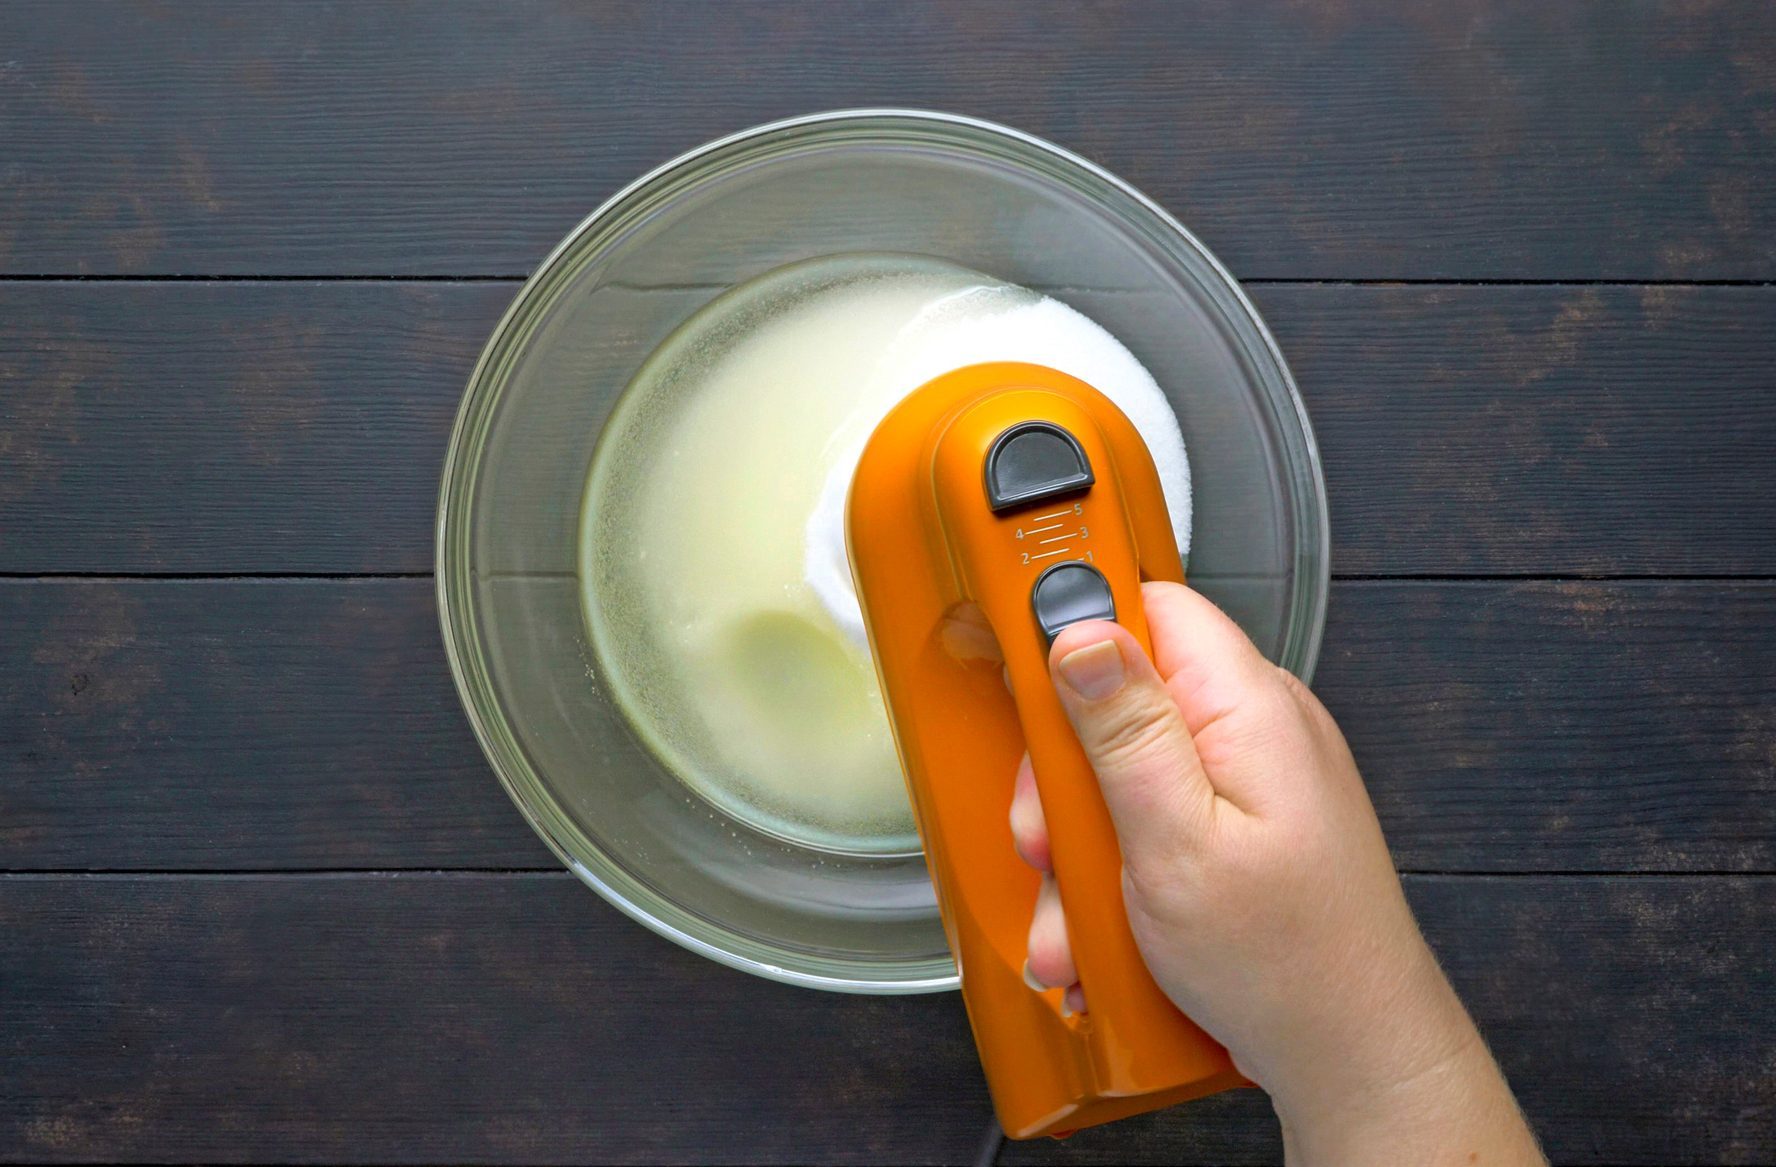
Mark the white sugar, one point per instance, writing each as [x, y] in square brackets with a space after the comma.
[970, 327]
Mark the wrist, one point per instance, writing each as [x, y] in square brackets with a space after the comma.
[1377, 1058]
[1426, 1090]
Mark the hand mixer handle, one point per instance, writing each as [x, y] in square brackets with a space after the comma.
[1133, 1032]
[1071, 519]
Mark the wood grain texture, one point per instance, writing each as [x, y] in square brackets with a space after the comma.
[1463, 140]
[229, 428]
[300, 427]
[170, 725]
[1513, 430]
[1516, 735]
[245, 724]
[438, 1018]
[1548, 727]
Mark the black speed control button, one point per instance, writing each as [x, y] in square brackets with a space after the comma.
[1068, 593]
[1032, 462]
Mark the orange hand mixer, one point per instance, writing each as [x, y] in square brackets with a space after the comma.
[1019, 494]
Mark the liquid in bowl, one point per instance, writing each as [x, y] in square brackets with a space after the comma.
[715, 586]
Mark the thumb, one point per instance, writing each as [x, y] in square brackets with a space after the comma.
[1137, 742]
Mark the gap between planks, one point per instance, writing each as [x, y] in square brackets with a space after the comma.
[520, 277]
[1336, 577]
[551, 873]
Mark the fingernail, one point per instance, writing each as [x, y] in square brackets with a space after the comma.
[1094, 672]
[1036, 986]
[1072, 1001]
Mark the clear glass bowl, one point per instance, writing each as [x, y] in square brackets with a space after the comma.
[976, 194]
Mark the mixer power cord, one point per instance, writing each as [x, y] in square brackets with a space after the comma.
[991, 1141]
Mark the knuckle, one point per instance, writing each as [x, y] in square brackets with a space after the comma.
[1292, 685]
[1130, 733]
[1307, 708]
[1269, 718]
[1162, 888]
[1146, 883]
[1283, 697]
[1306, 704]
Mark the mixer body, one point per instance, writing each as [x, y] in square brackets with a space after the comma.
[992, 507]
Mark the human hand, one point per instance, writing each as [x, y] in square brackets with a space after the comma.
[1261, 893]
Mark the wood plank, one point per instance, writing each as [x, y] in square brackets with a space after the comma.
[270, 427]
[1512, 430]
[299, 427]
[247, 724]
[439, 1019]
[1468, 140]
[436, 1018]
[1562, 726]
[168, 725]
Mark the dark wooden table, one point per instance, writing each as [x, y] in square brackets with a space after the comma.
[262, 899]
